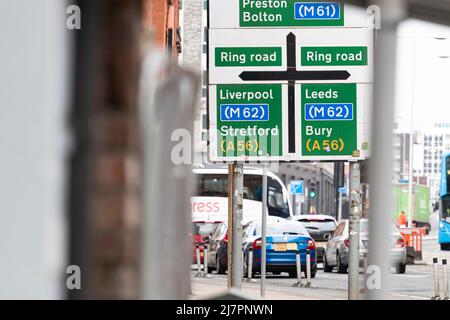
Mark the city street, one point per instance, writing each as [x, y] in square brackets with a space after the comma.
[415, 284]
[167, 150]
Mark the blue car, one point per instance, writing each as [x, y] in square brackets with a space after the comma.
[284, 239]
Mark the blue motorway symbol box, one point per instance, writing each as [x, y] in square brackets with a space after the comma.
[317, 11]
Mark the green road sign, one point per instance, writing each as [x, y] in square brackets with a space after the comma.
[290, 13]
[248, 57]
[249, 120]
[329, 119]
[334, 56]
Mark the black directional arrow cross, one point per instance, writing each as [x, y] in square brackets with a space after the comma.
[291, 75]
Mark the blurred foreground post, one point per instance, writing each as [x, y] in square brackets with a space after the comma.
[381, 162]
[235, 206]
[353, 255]
[264, 231]
[167, 182]
[104, 182]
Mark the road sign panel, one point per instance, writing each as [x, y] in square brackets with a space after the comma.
[289, 13]
[336, 132]
[331, 55]
[334, 56]
[287, 94]
[252, 122]
[296, 187]
[230, 14]
[248, 56]
[247, 121]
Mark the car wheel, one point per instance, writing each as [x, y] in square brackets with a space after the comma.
[292, 274]
[400, 268]
[341, 268]
[276, 273]
[219, 267]
[326, 266]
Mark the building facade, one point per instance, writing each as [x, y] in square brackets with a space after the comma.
[428, 148]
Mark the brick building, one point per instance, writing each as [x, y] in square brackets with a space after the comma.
[105, 176]
[163, 17]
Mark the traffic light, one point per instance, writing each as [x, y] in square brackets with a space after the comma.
[312, 190]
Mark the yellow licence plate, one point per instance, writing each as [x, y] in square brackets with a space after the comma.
[292, 246]
[280, 246]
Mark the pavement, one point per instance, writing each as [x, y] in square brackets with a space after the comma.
[416, 284]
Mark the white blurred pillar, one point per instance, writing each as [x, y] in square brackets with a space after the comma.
[34, 84]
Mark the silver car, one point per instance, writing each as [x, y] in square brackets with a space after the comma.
[336, 250]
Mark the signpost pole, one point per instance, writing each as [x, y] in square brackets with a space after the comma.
[353, 259]
[236, 257]
[230, 224]
[340, 207]
[263, 231]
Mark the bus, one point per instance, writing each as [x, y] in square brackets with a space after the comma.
[444, 204]
[210, 202]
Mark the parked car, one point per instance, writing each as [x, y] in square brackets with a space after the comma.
[284, 238]
[320, 228]
[201, 231]
[217, 253]
[336, 250]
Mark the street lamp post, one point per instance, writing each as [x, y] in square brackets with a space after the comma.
[411, 137]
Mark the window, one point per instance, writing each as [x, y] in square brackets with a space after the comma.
[216, 185]
[316, 225]
[445, 210]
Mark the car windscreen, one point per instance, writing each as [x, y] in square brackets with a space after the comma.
[204, 229]
[318, 225]
[287, 229]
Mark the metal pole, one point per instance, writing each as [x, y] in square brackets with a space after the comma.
[444, 270]
[299, 267]
[411, 142]
[436, 279]
[340, 208]
[199, 264]
[230, 224]
[205, 261]
[308, 268]
[236, 262]
[322, 193]
[250, 264]
[263, 231]
[353, 256]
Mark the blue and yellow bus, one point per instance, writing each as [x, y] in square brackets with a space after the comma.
[444, 205]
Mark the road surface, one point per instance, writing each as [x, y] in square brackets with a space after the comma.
[415, 284]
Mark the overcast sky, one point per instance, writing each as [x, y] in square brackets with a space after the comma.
[423, 78]
[421, 69]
